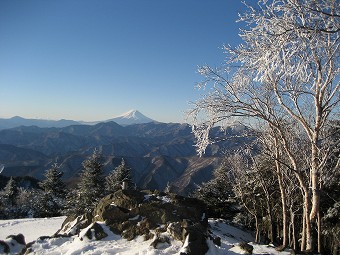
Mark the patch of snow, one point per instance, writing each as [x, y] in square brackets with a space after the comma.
[185, 246]
[147, 197]
[164, 199]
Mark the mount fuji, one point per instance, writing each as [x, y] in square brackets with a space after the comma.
[131, 117]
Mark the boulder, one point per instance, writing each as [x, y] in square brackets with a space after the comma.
[197, 244]
[95, 232]
[14, 244]
[176, 231]
[19, 238]
[159, 241]
[128, 199]
[109, 212]
[246, 247]
[73, 224]
[4, 248]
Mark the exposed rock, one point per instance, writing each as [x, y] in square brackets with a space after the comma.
[130, 230]
[127, 199]
[95, 232]
[108, 211]
[176, 231]
[4, 248]
[73, 224]
[216, 240]
[197, 244]
[19, 238]
[246, 247]
[160, 240]
[14, 244]
[132, 213]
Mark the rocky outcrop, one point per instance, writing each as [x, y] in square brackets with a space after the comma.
[153, 215]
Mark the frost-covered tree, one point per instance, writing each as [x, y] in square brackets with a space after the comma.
[90, 188]
[121, 174]
[54, 191]
[286, 68]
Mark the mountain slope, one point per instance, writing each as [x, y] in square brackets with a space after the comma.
[158, 153]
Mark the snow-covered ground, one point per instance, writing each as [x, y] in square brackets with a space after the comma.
[114, 244]
[31, 228]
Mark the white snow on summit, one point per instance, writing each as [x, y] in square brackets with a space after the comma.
[131, 117]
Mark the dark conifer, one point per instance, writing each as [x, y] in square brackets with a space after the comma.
[90, 188]
[119, 176]
[52, 199]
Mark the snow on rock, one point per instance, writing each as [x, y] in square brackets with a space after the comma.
[112, 244]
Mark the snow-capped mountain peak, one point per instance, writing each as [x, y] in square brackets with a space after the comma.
[132, 114]
[131, 117]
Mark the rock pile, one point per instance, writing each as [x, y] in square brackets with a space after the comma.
[132, 213]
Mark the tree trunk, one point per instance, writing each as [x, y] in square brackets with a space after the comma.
[284, 206]
[293, 242]
[314, 171]
[282, 193]
[271, 235]
[271, 228]
[257, 233]
[303, 236]
[308, 228]
[319, 233]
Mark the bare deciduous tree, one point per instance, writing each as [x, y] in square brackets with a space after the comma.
[286, 68]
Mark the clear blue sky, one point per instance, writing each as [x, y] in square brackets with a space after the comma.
[95, 59]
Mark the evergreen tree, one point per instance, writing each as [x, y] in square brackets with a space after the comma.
[10, 192]
[90, 187]
[218, 194]
[8, 198]
[53, 184]
[52, 199]
[120, 174]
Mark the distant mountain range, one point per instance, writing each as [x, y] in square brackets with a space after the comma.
[18, 121]
[129, 118]
[158, 153]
